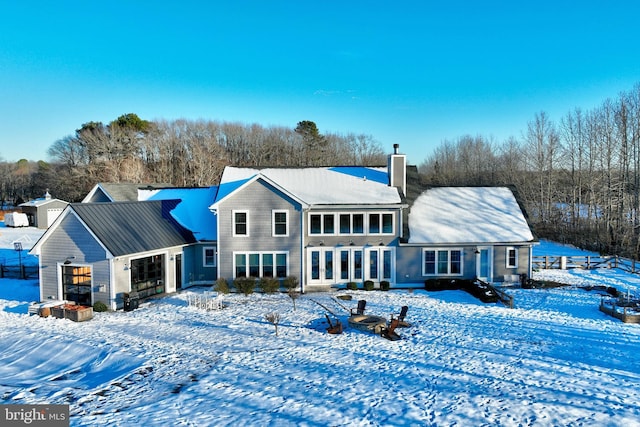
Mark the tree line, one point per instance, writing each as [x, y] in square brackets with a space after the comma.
[578, 178]
[182, 153]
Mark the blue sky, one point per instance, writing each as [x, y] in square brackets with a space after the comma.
[408, 72]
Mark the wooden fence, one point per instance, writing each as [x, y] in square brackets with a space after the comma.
[548, 262]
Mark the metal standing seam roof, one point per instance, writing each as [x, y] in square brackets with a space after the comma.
[132, 227]
[126, 192]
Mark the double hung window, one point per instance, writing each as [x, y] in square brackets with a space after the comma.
[240, 223]
[442, 262]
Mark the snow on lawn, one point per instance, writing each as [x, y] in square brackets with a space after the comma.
[554, 359]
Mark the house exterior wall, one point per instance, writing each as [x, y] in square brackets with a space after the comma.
[500, 267]
[259, 200]
[194, 270]
[110, 278]
[409, 263]
[71, 240]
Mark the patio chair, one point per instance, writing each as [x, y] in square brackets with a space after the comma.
[360, 309]
[401, 316]
[389, 332]
[333, 328]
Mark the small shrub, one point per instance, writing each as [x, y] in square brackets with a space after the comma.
[294, 295]
[368, 285]
[384, 285]
[100, 307]
[221, 286]
[273, 318]
[290, 282]
[352, 286]
[269, 285]
[245, 285]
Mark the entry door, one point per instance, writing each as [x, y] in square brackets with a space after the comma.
[321, 266]
[483, 264]
[178, 259]
[350, 265]
[380, 264]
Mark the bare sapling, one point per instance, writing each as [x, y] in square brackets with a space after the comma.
[273, 318]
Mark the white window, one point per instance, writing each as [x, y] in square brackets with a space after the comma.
[351, 223]
[280, 221]
[261, 264]
[373, 223]
[240, 223]
[380, 223]
[512, 257]
[442, 262]
[209, 256]
[322, 224]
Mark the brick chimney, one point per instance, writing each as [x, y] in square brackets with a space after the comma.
[397, 169]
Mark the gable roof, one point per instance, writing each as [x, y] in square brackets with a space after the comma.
[321, 186]
[193, 210]
[36, 203]
[467, 215]
[131, 227]
[118, 192]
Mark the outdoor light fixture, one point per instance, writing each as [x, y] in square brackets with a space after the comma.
[477, 252]
[68, 260]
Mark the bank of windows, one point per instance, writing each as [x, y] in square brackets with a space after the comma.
[351, 223]
[147, 275]
[260, 264]
[442, 262]
[209, 256]
[512, 258]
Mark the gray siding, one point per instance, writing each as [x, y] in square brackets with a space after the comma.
[409, 263]
[259, 199]
[500, 262]
[71, 239]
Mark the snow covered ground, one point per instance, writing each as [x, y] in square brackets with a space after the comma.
[554, 359]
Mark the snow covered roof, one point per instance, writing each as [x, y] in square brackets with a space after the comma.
[41, 202]
[467, 215]
[320, 186]
[193, 210]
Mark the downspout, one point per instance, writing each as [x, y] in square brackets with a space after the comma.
[530, 273]
[302, 254]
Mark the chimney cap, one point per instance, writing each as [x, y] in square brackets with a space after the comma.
[395, 148]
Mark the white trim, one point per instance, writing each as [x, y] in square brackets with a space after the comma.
[506, 261]
[273, 222]
[204, 256]
[437, 251]
[366, 223]
[60, 265]
[233, 222]
[260, 264]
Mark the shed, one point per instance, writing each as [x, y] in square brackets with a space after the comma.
[43, 212]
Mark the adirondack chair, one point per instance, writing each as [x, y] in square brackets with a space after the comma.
[333, 328]
[401, 316]
[389, 332]
[360, 309]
